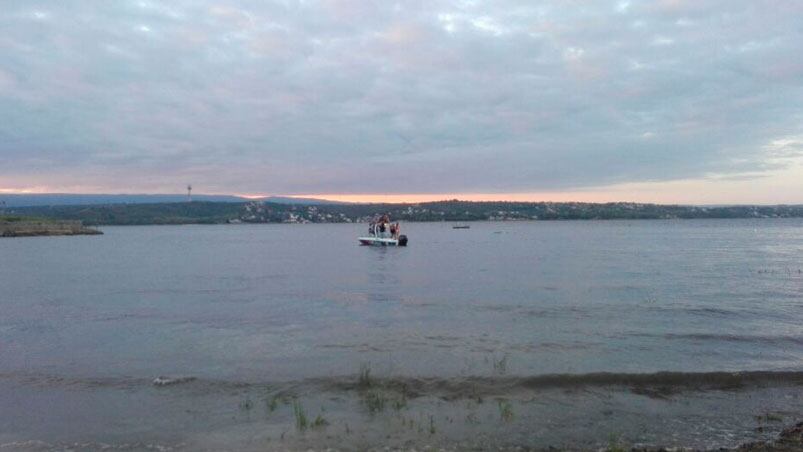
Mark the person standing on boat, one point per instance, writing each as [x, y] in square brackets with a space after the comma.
[385, 224]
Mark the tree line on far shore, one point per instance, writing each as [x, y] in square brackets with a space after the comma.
[204, 212]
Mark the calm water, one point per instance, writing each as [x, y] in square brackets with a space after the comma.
[86, 324]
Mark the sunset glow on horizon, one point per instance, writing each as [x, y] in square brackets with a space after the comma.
[780, 186]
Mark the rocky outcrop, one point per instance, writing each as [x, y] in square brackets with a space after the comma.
[44, 228]
[790, 439]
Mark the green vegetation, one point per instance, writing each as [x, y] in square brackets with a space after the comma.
[399, 402]
[273, 403]
[615, 443]
[364, 380]
[301, 416]
[20, 219]
[377, 395]
[204, 212]
[769, 417]
[141, 214]
[500, 365]
[319, 422]
[374, 400]
[246, 404]
[505, 410]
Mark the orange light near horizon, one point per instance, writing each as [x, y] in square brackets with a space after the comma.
[250, 196]
[416, 198]
[23, 191]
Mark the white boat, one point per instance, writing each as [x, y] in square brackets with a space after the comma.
[381, 241]
[382, 233]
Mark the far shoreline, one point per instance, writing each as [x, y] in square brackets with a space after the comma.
[206, 212]
[512, 221]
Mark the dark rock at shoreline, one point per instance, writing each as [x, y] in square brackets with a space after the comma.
[36, 228]
[790, 439]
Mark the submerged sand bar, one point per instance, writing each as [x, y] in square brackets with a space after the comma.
[33, 228]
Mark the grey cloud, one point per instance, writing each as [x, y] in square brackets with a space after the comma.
[421, 96]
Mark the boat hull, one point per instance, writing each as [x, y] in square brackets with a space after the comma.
[378, 241]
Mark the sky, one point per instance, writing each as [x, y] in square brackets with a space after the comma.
[672, 101]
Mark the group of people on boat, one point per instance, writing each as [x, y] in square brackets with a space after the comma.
[382, 227]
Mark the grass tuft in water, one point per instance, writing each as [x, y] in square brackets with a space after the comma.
[364, 380]
[769, 417]
[505, 410]
[615, 443]
[500, 365]
[246, 404]
[319, 422]
[301, 416]
[375, 401]
[273, 403]
[399, 402]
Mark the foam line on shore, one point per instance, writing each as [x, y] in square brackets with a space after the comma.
[656, 384]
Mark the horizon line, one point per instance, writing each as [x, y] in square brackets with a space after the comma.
[414, 198]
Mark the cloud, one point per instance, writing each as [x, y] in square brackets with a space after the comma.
[413, 97]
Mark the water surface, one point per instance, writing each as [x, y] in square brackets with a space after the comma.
[253, 310]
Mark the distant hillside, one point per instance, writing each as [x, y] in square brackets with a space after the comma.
[205, 212]
[196, 212]
[66, 199]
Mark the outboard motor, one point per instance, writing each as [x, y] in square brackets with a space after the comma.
[402, 240]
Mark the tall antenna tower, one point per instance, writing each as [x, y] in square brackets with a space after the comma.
[189, 193]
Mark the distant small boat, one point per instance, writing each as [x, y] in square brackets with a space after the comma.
[461, 226]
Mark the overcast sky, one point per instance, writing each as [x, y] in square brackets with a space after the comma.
[671, 100]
